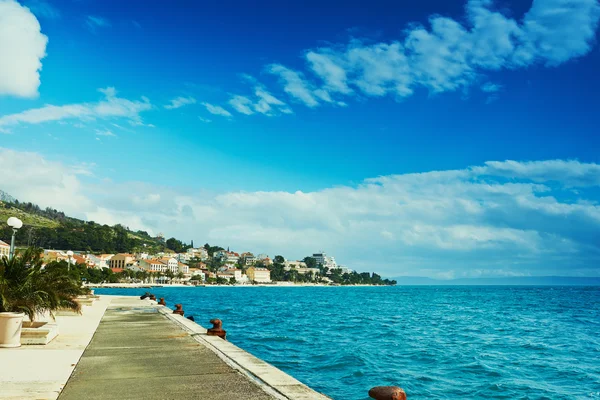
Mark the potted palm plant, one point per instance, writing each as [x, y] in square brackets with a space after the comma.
[27, 288]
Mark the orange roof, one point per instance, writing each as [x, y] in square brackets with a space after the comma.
[117, 270]
[3, 244]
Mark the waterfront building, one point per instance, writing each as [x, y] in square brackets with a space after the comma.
[321, 258]
[181, 267]
[258, 274]
[121, 261]
[170, 263]
[295, 264]
[152, 265]
[303, 270]
[248, 258]
[99, 261]
[184, 257]
[230, 273]
[55, 255]
[197, 272]
[4, 249]
[199, 252]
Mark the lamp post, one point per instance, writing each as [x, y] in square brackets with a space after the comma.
[16, 224]
[70, 255]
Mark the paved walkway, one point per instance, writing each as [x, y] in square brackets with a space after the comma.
[139, 353]
[40, 372]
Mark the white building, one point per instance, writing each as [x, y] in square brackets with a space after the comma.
[152, 265]
[171, 264]
[184, 257]
[183, 268]
[4, 249]
[321, 258]
[199, 252]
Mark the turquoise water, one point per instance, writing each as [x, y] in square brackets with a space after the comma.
[435, 342]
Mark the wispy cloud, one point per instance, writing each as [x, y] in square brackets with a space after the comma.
[22, 48]
[262, 102]
[205, 120]
[445, 55]
[94, 22]
[507, 217]
[490, 87]
[216, 110]
[104, 132]
[180, 102]
[111, 106]
[449, 55]
[241, 104]
[294, 84]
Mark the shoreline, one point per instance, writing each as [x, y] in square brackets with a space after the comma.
[178, 285]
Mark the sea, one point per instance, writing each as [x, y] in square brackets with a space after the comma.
[436, 342]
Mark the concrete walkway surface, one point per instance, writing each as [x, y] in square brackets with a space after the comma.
[144, 351]
[41, 371]
[126, 348]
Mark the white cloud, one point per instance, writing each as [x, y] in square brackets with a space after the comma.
[449, 55]
[241, 104]
[569, 173]
[216, 110]
[94, 22]
[263, 102]
[22, 47]
[205, 120]
[104, 132]
[294, 84]
[180, 102]
[110, 107]
[468, 222]
[556, 31]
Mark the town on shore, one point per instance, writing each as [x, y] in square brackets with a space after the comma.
[207, 265]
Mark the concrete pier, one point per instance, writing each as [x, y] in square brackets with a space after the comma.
[142, 350]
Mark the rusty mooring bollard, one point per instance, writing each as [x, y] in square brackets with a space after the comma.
[152, 297]
[162, 302]
[178, 310]
[387, 393]
[217, 329]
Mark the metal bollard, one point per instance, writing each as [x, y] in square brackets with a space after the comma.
[162, 302]
[152, 297]
[217, 329]
[178, 310]
[387, 393]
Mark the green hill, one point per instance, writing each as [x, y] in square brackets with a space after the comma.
[52, 229]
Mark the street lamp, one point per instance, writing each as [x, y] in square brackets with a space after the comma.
[70, 255]
[16, 224]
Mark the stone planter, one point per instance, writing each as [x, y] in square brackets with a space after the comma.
[38, 332]
[10, 329]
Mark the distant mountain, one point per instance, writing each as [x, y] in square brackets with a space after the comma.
[520, 280]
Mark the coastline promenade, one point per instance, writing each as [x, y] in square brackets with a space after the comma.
[141, 350]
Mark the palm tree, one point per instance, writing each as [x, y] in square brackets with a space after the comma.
[170, 275]
[27, 287]
[180, 276]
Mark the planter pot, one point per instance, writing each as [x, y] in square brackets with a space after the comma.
[10, 329]
[38, 332]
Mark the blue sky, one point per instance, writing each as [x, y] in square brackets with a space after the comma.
[243, 118]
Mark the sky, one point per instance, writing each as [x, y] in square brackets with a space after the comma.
[445, 139]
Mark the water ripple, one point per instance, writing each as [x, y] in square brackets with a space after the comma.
[435, 342]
